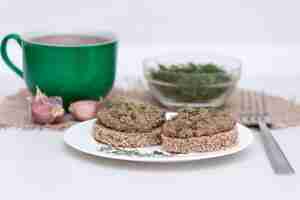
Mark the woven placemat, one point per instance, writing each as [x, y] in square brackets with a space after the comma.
[14, 109]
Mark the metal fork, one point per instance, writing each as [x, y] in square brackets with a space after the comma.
[254, 112]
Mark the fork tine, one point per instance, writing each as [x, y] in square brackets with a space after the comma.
[264, 105]
[250, 108]
[265, 111]
[258, 101]
[249, 102]
[242, 103]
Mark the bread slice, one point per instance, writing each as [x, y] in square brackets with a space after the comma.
[116, 138]
[216, 142]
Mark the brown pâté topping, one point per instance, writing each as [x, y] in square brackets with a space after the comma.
[130, 116]
[198, 122]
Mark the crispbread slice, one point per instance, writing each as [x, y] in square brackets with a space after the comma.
[115, 138]
[216, 142]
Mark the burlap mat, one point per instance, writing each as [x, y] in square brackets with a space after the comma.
[14, 110]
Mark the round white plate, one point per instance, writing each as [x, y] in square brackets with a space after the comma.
[80, 137]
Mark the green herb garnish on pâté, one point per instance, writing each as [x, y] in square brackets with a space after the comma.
[192, 82]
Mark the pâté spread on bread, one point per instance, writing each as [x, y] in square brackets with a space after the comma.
[130, 124]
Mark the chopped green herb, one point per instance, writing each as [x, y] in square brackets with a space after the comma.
[192, 82]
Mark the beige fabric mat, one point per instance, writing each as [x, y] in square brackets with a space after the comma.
[14, 110]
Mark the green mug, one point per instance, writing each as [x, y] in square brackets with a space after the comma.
[73, 71]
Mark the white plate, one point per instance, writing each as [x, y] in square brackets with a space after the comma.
[80, 137]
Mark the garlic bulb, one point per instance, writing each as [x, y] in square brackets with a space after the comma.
[46, 110]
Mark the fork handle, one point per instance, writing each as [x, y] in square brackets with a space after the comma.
[279, 162]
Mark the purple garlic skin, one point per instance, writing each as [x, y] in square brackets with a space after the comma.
[84, 110]
[46, 110]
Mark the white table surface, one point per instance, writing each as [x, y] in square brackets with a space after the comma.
[36, 164]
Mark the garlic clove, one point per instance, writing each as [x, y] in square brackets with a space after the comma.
[58, 113]
[84, 110]
[41, 113]
[46, 110]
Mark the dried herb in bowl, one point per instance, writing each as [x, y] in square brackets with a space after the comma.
[191, 82]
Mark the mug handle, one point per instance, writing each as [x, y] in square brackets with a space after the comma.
[4, 55]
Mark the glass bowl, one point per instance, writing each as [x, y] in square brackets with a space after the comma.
[210, 86]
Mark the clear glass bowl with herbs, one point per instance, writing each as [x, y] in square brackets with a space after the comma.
[195, 81]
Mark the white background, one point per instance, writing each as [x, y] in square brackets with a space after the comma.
[161, 21]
